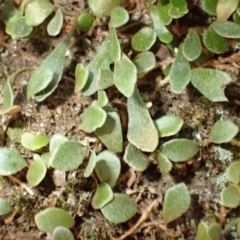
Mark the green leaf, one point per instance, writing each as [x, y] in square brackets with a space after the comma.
[37, 11]
[5, 206]
[214, 42]
[144, 39]
[163, 8]
[103, 8]
[102, 196]
[227, 29]
[144, 62]
[233, 172]
[115, 48]
[226, 8]
[55, 25]
[91, 165]
[168, 125]
[110, 133]
[135, 158]
[108, 167]
[119, 17]
[165, 165]
[62, 233]
[176, 202]
[120, 209]
[46, 159]
[48, 75]
[141, 130]
[179, 149]
[56, 141]
[230, 197]
[10, 162]
[180, 73]
[210, 6]
[50, 218]
[178, 8]
[93, 118]
[192, 48]
[85, 21]
[36, 172]
[68, 156]
[81, 75]
[125, 76]
[214, 232]
[102, 99]
[210, 82]
[106, 78]
[201, 231]
[223, 131]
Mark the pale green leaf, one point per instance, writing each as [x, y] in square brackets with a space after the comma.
[233, 172]
[125, 76]
[227, 29]
[94, 117]
[168, 125]
[141, 130]
[192, 45]
[38, 142]
[10, 162]
[55, 25]
[165, 165]
[223, 131]
[177, 201]
[110, 133]
[120, 209]
[202, 231]
[230, 196]
[5, 206]
[226, 8]
[50, 218]
[210, 82]
[115, 48]
[81, 75]
[102, 99]
[56, 141]
[62, 233]
[91, 165]
[106, 78]
[46, 159]
[180, 73]
[214, 232]
[119, 17]
[135, 158]
[108, 167]
[37, 11]
[102, 196]
[179, 149]
[36, 172]
[68, 156]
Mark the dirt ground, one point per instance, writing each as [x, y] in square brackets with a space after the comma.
[61, 113]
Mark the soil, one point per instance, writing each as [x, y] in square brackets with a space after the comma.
[62, 112]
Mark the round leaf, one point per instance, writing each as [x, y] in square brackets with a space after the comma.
[91, 165]
[93, 118]
[168, 125]
[68, 156]
[55, 25]
[50, 218]
[5, 206]
[85, 21]
[233, 172]
[214, 42]
[214, 232]
[179, 150]
[223, 131]
[119, 16]
[135, 158]
[210, 83]
[176, 202]
[143, 39]
[62, 233]
[125, 76]
[102, 196]
[230, 197]
[36, 172]
[108, 167]
[10, 162]
[120, 209]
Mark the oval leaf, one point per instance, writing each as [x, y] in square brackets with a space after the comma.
[38, 142]
[227, 29]
[119, 16]
[141, 131]
[68, 156]
[62, 233]
[210, 83]
[10, 162]
[202, 231]
[165, 165]
[91, 165]
[108, 167]
[55, 25]
[56, 141]
[85, 21]
[176, 202]
[214, 232]
[81, 75]
[223, 131]
[102, 196]
[36, 172]
[125, 76]
[233, 172]
[226, 8]
[5, 206]
[135, 158]
[115, 48]
[179, 150]
[230, 197]
[120, 209]
[50, 218]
